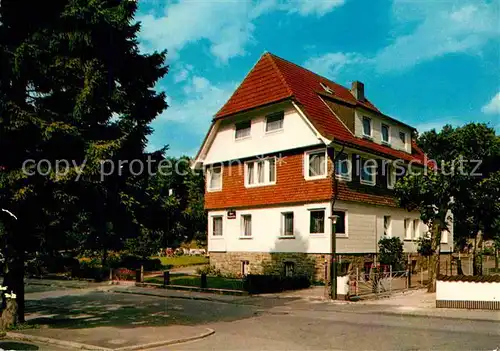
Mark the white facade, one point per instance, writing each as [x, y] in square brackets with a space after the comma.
[376, 130]
[364, 228]
[296, 132]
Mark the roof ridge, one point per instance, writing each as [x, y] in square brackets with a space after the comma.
[271, 57]
[307, 69]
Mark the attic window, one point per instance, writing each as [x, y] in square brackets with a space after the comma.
[326, 88]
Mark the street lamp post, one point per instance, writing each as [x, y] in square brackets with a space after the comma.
[333, 251]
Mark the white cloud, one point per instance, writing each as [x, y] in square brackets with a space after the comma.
[422, 31]
[492, 107]
[199, 103]
[182, 72]
[441, 27]
[226, 25]
[331, 64]
[318, 8]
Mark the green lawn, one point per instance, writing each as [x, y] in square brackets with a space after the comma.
[192, 280]
[183, 261]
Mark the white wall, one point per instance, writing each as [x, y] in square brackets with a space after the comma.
[365, 226]
[296, 133]
[377, 121]
[467, 291]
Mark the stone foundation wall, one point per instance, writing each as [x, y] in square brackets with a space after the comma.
[313, 265]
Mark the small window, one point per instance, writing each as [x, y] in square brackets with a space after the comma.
[408, 228]
[274, 122]
[340, 226]
[245, 268]
[387, 226]
[343, 167]
[317, 221]
[326, 88]
[385, 133]
[402, 137]
[289, 269]
[416, 228]
[391, 176]
[215, 178]
[367, 126]
[316, 164]
[368, 172]
[246, 225]
[287, 224]
[260, 172]
[217, 226]
[243, 130]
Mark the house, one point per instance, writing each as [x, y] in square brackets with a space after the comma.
[268, 159]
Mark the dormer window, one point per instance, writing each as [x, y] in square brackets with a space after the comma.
[402, 137]
[274, 122]
[243, 130]
[326, 88]
[385, 134]
[367, 127]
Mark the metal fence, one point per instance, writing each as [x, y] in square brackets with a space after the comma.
[384, 282]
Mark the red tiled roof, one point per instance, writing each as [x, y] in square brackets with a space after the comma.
[274, 79]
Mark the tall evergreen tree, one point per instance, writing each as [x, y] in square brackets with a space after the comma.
[73, 86]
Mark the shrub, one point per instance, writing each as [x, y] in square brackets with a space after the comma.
[258, 284]
[391, 252]
[123, 274]
[209, 270]
[135, 262]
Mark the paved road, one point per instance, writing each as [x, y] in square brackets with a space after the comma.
[315, 330]
[264, 323]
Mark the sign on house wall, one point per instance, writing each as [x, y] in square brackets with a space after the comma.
[231, 214]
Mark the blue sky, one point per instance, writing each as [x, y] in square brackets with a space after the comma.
[426, 63]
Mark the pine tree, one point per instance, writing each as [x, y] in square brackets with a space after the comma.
[73, 86]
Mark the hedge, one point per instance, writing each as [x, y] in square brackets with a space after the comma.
[258, 284]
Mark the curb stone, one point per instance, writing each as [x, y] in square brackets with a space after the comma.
[151, 345]
[80, 346]
[410, 314]
[51, 341]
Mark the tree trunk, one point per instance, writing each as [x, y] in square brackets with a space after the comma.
[477, 260]
[434, 259]
[496, 260]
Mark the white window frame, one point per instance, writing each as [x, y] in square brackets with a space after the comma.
[408, 229]
[209, 178]
[363, 126]
[391, 176]
[346, 216]
[289, 268]
[245, 267]
[243, 137]
[307, 155]
[444, 236]
[214, 217]
[311, 210]
[373, 182]
[242, 226]
[282, 115]
[267, 172]
[388, 230]
[347, 177]
[416, 230]
[282, 230]
[388, 141]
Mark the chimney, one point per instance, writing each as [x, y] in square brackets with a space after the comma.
[358, 90]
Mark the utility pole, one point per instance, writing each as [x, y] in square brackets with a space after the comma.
[333, 250]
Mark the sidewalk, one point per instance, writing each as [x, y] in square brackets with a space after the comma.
[422, 303]
[180, 294]
[112, 338]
